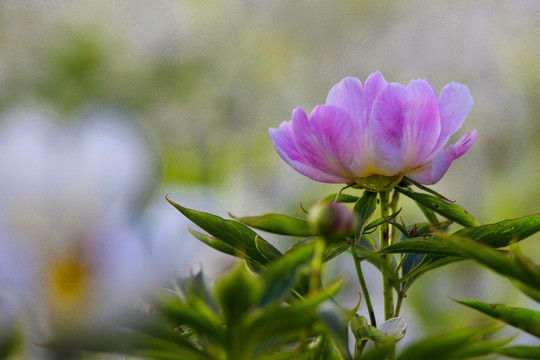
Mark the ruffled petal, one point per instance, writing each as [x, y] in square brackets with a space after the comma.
[431, 173]
[405, 126]
[285, 147]
[455, 103]
[324, 140]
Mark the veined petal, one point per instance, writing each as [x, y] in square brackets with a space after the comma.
[431, 173]
[325, 140]
[455, 103]
[422, 123]
[285, 147]
[358, 101]
[405, 125]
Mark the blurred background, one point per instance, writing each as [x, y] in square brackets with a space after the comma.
[200, 82]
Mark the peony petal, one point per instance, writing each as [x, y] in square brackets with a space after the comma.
[422, 123]
[455, 103]
[348, 94]
[433, 172]
[405, 125]
[285, 147]
[325, 140]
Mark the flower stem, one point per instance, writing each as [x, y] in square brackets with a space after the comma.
[363, 285]
[384, 238]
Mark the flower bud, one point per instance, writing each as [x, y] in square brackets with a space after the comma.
[333, 221]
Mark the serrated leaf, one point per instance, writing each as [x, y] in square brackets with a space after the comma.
[450, 211]
[278, 224]
[521, 318]
[235, 234]
[520, 352]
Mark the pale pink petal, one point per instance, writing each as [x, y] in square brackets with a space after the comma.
[372, 87]
[422, 123]
[324, 139]
[455, 103]
[431, 173]
[333, 128]
[405, 126]
[285, 147]
[386, 128]
[348, 94]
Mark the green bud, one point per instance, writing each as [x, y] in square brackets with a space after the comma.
[333, 221]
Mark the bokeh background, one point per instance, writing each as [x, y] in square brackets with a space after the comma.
[200, 82]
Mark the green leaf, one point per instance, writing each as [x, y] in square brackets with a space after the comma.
[496, 235]
[521, 318]
[336, 323]
[194, 314]
[218, 244]
[235, 234]
[503, 233]
[450, 211]
[363, 331]
[280, 277]
[344, 198]
[520, 352]
[431, 246]
[506, 264]
[363, 209]
[442, 347]
[237, 293]
[278, 224]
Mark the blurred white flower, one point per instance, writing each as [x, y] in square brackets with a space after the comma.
[67, 194]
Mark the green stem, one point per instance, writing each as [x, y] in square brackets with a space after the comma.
[385, 240]
[363, 285]
[401, 296]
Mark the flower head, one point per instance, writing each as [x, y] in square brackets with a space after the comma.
[381, 130]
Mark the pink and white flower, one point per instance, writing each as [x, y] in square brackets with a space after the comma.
[377, 129]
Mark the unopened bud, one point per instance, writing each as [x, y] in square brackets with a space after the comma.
[333, 221]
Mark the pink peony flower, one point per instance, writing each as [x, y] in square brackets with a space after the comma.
[377, 131]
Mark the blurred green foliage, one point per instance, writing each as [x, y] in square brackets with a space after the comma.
[204, 81]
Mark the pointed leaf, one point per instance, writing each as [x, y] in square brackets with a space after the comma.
[278, 224]
[336, 323]
[363, 209]
[217, 244]
[520, 352]
[432, 245]
[521, 318]
[442, 347]
[450, 211]
[280, 277]
[502, 233]
[344, 198]
[506, 264]
[237, 235]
